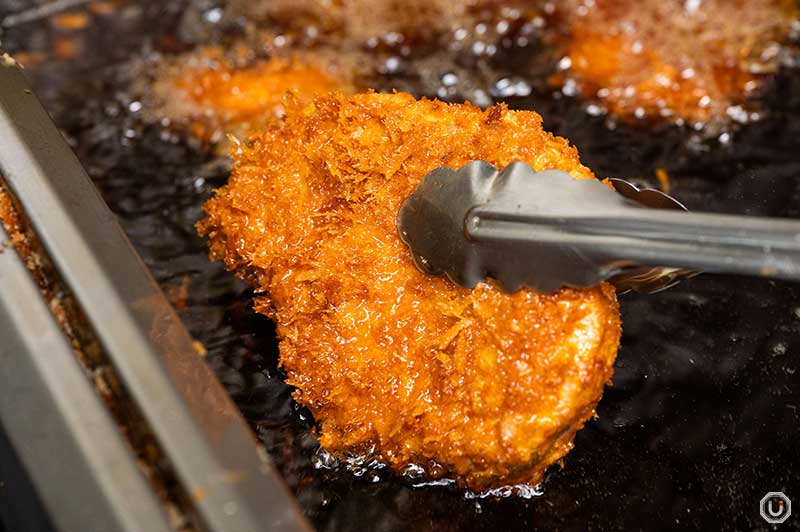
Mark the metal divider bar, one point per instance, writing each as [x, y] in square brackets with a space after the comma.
[214, 454]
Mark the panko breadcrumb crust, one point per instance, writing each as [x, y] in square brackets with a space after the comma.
[479, 385]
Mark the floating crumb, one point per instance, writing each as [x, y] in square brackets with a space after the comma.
[199, 348]
[77, 20]
[178, 295]
[663, 179]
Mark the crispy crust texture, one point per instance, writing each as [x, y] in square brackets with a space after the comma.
[479, 385]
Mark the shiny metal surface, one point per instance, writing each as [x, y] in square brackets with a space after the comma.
[231, 481]
[545, 230]
[84, 472]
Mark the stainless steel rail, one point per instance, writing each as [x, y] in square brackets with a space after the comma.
[212, 451]
[85, 474]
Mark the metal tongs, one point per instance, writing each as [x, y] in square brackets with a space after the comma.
[545, 230]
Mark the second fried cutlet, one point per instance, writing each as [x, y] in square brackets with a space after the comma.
[693, 62]
[213, 96]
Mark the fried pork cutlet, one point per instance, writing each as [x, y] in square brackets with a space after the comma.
[692, 61]
[215, 97]
[480, 385]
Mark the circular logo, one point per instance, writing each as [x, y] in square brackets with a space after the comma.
[775, 507]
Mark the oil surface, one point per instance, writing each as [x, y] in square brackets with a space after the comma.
[702, 419]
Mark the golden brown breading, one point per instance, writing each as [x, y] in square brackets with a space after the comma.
[216, 97]
[690, 60]
[477, 384]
